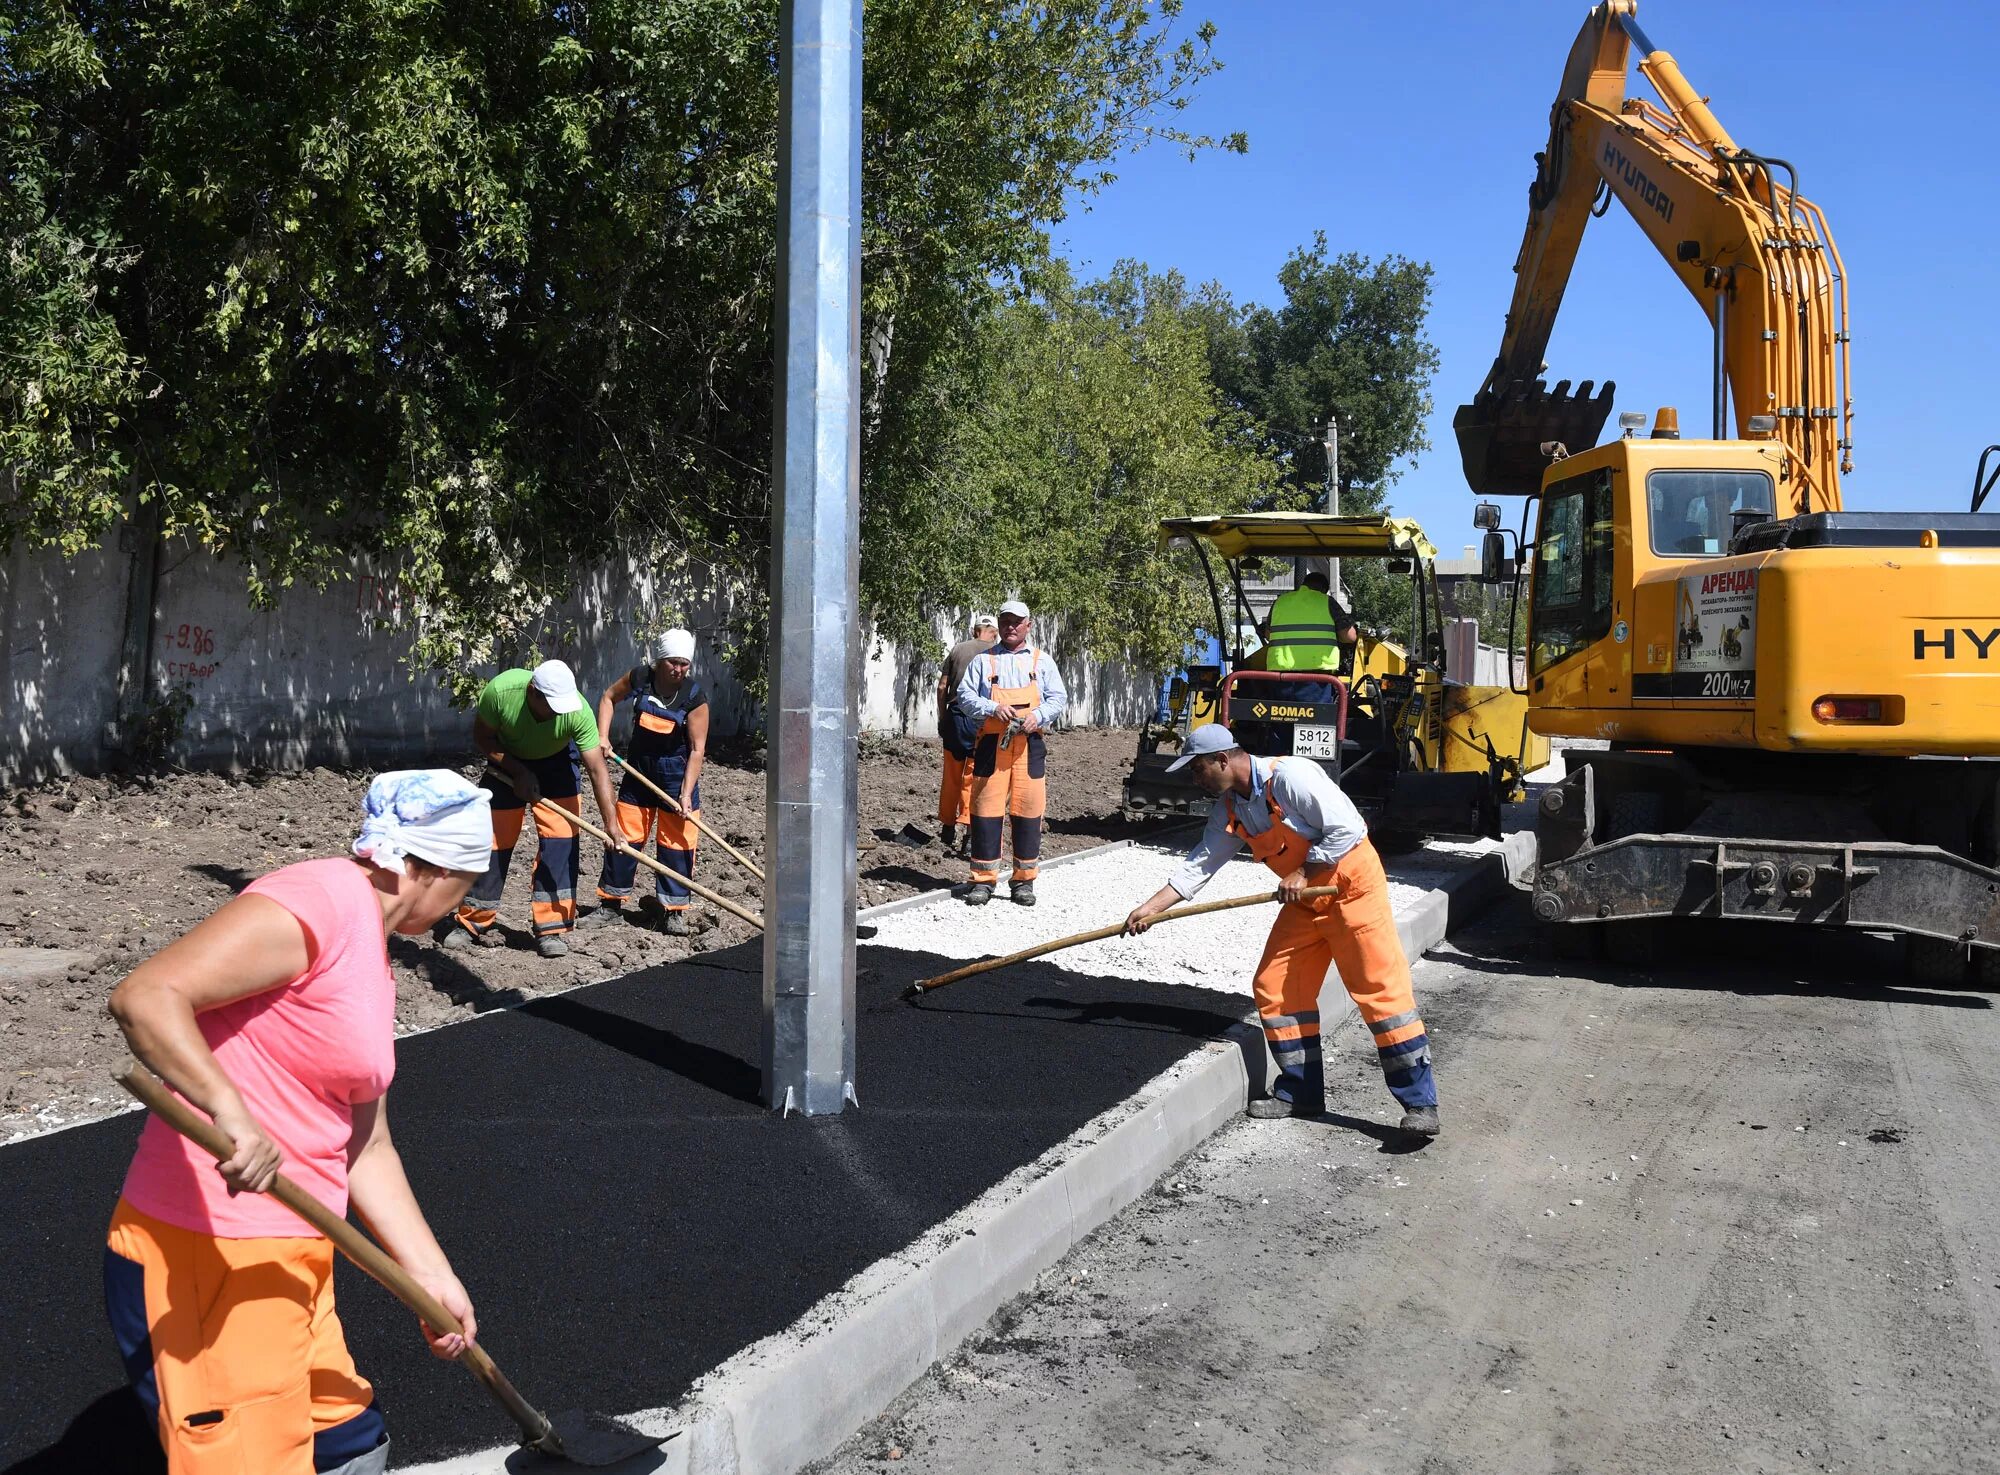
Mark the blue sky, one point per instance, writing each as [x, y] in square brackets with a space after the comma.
[1411, 129]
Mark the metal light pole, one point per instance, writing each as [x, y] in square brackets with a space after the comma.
[810, 800]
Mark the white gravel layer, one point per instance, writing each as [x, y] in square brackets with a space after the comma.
[1216, 951]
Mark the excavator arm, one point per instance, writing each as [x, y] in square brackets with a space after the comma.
[1731, 224]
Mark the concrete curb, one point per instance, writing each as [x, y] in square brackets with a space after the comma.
[798, 1395]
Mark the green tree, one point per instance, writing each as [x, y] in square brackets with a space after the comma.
[489, 288]
[1097, 419]
[1348, 337]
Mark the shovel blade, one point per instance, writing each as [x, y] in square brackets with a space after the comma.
[595, 1441]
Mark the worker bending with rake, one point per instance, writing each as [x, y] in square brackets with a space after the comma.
[668, 743]
[1296, 820]
[535, 732]
[1014, 691]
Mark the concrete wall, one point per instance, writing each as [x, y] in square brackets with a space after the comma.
[325, 677]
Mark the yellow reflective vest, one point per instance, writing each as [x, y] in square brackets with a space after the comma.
[1304, 636]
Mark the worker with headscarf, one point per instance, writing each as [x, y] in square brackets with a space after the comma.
[277, 1018]
[1296, 820]
[537, 736]
[959, 735]
[1015, 692]
[668, 742]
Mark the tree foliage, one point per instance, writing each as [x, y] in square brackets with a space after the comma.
[489, 287]
[1095, 418]
[1348, 337]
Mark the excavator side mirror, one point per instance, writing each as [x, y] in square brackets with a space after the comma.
[1492, 557]
[1486, 516]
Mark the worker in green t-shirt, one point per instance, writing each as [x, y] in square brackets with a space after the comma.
[534, 728]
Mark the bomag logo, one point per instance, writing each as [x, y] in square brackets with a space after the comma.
[1634, 179]
[1953, 642]
[1283, 711]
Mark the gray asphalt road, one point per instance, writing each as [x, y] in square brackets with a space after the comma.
[1736, 1213]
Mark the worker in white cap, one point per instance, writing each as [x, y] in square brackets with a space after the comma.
[668, 742]
[1014, 692]
[535, 731]
[1295, 819]
[959, 735]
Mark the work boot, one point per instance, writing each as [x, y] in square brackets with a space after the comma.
[948, 838]
[604, 916]
[1421, 1121]
[1271, 1108]
[677, 923]
[454, 938]
[978, 894]
[1022, 893]
[552, 946]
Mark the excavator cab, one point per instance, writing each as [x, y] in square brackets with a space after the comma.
[1420, 751]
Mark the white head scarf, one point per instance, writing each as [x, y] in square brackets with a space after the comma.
[675, 645]
[431, 813]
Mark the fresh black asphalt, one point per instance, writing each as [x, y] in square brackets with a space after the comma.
[622, 1209]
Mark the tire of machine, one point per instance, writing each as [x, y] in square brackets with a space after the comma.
[1935, 961]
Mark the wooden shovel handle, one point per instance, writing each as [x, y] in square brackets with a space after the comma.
[674, 804]
[351, 1242]
[1098, 934]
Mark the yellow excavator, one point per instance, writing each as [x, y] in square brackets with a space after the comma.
[1797, 708]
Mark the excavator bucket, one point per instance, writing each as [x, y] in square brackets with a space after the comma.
[1502, 432]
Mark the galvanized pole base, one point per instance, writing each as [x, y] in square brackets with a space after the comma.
[811, 803]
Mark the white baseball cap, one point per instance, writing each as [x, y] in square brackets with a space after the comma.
[676, 645]
[984, 621]
[557, 684]
[1016, 608]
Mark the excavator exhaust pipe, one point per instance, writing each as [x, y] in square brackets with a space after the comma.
[1501, 433]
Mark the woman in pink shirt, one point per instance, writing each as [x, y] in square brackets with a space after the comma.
[277, 1017]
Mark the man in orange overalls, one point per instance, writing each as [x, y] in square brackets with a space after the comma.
[1014, 692]
[1296, 820]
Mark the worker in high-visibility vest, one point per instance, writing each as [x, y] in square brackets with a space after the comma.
[1295, 819]
[1307, 631]
[1015, 692]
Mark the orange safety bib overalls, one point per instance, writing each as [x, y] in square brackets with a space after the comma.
[659, 749]
[1354, 930]
[1009, 781]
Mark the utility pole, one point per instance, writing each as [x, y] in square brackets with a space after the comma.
[810, 797]
[1330, 495]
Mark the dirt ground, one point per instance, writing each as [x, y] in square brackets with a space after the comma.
[110, 869]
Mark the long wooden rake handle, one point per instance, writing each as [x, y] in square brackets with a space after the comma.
[351, 1242]
[1098, 934]
[674, 804]
[564, 816]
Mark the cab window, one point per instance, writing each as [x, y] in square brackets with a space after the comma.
[1570, 604]
[1692, 514]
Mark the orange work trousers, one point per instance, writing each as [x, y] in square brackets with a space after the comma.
[1354, 931]
[1009, 783]
[234, 1347]
[678, 839]
[955, 790]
